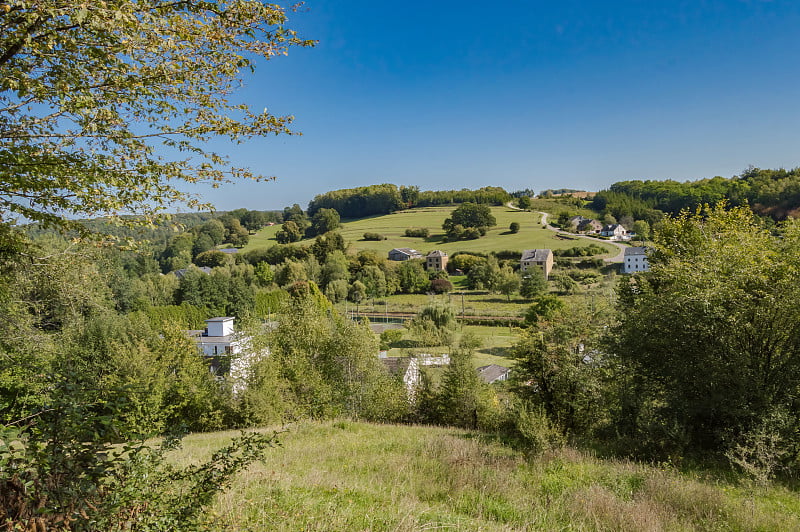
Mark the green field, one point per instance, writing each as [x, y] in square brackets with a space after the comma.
[393, 226]
[343, 475]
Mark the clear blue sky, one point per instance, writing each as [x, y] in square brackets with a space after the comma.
[524, 94]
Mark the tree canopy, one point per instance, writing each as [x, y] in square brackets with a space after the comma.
[106, 107]
[711, 332]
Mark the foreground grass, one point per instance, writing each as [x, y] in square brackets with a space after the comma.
[356, 476]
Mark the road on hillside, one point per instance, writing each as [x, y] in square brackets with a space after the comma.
[621, 247]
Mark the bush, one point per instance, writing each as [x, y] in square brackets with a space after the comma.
[514, 227]
[374, 236]
[390, 337]
[441, 286]
[420, 232]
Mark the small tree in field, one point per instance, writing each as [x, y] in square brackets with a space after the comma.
[514, 227]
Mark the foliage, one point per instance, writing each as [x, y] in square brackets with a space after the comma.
[544, 308]
[441, 286]
[483, 195]
[560, 369]
[467, 219]
[52, 480]
[419, 232]
[514, 227]
[359, 202]
[524, 202]
[580, 251]
[374, 236]
[723, 325]
[289, 233]
[508, 282]
[484, 274]
[435, 323]
[321, 365]
[89, 92]
[412, 277]
[323, 221]
[533, 283]
[462, 399]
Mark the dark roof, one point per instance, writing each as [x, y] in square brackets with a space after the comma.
[437, 253]
[536, 254]
[492, 372]
[635, 250]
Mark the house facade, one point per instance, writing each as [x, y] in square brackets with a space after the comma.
[590, 226]
[436, 261]
[401, 254]
[537, 258]
[635, 260]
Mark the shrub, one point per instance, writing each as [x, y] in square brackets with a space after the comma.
[374, 236]
[420, 232]
[441, 286]
[390, 337]
[514, 227]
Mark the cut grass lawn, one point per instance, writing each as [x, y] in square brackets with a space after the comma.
[531, 235]
[344, 475]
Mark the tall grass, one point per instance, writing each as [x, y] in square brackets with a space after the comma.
[355, 476]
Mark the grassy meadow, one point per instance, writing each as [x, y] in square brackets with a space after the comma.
[346, 475]
[531, 235]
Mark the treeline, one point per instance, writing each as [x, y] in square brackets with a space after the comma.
[164, 229]
[384, 199]
[770, 193]
[485, 195]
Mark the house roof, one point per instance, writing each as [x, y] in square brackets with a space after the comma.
[407, 251]
[635, 251]
[536, 254]
[229, 250]
[180, 273]
[437, 253]
[219, 318]
[492, 372]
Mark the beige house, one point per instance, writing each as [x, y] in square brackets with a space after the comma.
[436, 260]
[537, 258]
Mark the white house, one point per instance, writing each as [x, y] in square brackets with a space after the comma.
[217, 338]
[615, 232]
[635, 260]
[228, 352]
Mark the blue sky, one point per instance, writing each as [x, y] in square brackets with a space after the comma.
[524, 94]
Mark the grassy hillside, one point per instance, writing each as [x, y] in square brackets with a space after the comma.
[393, 226]
[356, 476]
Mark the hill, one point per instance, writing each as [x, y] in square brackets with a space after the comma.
[530, 236]
[356, 476]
